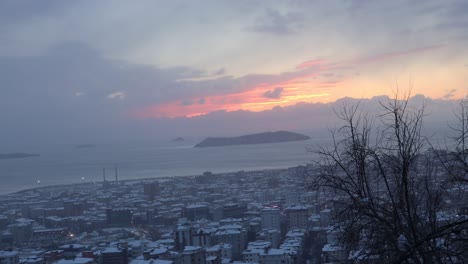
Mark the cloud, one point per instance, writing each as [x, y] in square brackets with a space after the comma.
[274, 22]
[152, 66]
[85, 85]
[117, 95]
[450, 94]
[313, 118]
[273, 94]
[378, 57]
[55, 88]
[382, 57]
[186, 102]
[311, 81]
[310, 63]
[221, 71]
[72, 70]
[12, 11]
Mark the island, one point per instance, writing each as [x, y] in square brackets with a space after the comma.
[178, 139]
[17, 155]
[260, 138]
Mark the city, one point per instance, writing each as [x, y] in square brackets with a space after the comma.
[244, 217]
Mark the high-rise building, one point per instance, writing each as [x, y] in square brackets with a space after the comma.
[183, 235]
[119, 216]
[275, 256]
[73, 208]
[234, 210]
[114, 255]
[151, 189]
[202, 237]
[297, 217]
[193, 255]
[270, 218]
[195, 212]
[236, 237]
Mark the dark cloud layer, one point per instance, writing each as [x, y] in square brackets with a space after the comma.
[72, 92]
[13, 11]
[450, 94]
[274, 94]
[75, 92]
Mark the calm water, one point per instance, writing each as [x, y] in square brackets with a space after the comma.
[67, 164]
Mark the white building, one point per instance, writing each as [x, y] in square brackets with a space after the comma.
[183, 236]
[271, 235]
[235, 237]
[75, 261]
[275, 256]
[270, 218]
[293, 198]
[252, 255]
[193, 255]
[223, 251]
[253, 251]
[202, 237]
[297, 217]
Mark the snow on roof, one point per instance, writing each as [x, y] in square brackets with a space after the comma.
[195, 206]
[297, 207]
[75, 261]
[331, 248]
[253, 251]
[191, 248]
[158, 251]
[151, 261]
[274, 251]
[111, 250]
[8, 253]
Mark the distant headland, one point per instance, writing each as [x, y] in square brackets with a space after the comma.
[178, 139]
[260, 138]
[17, 155]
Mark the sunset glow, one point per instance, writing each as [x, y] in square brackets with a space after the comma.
[255, 99]
[325, 81]
[161, 68]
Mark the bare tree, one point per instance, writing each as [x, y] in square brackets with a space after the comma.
[392, 193]
[455, 158]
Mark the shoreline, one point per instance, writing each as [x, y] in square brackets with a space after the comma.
[214, 174]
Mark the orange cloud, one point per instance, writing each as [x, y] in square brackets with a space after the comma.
[254, 99]
[312, 81]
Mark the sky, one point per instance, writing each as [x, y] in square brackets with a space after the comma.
[84, 71]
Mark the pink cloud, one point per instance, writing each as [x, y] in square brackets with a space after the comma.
[312, 80]
[310, 63]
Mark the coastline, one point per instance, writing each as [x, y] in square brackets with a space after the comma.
[125, 181]
[65, 166]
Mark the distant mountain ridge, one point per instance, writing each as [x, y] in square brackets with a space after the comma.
[260, 138]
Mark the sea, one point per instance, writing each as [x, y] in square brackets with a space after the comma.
[68, 164]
